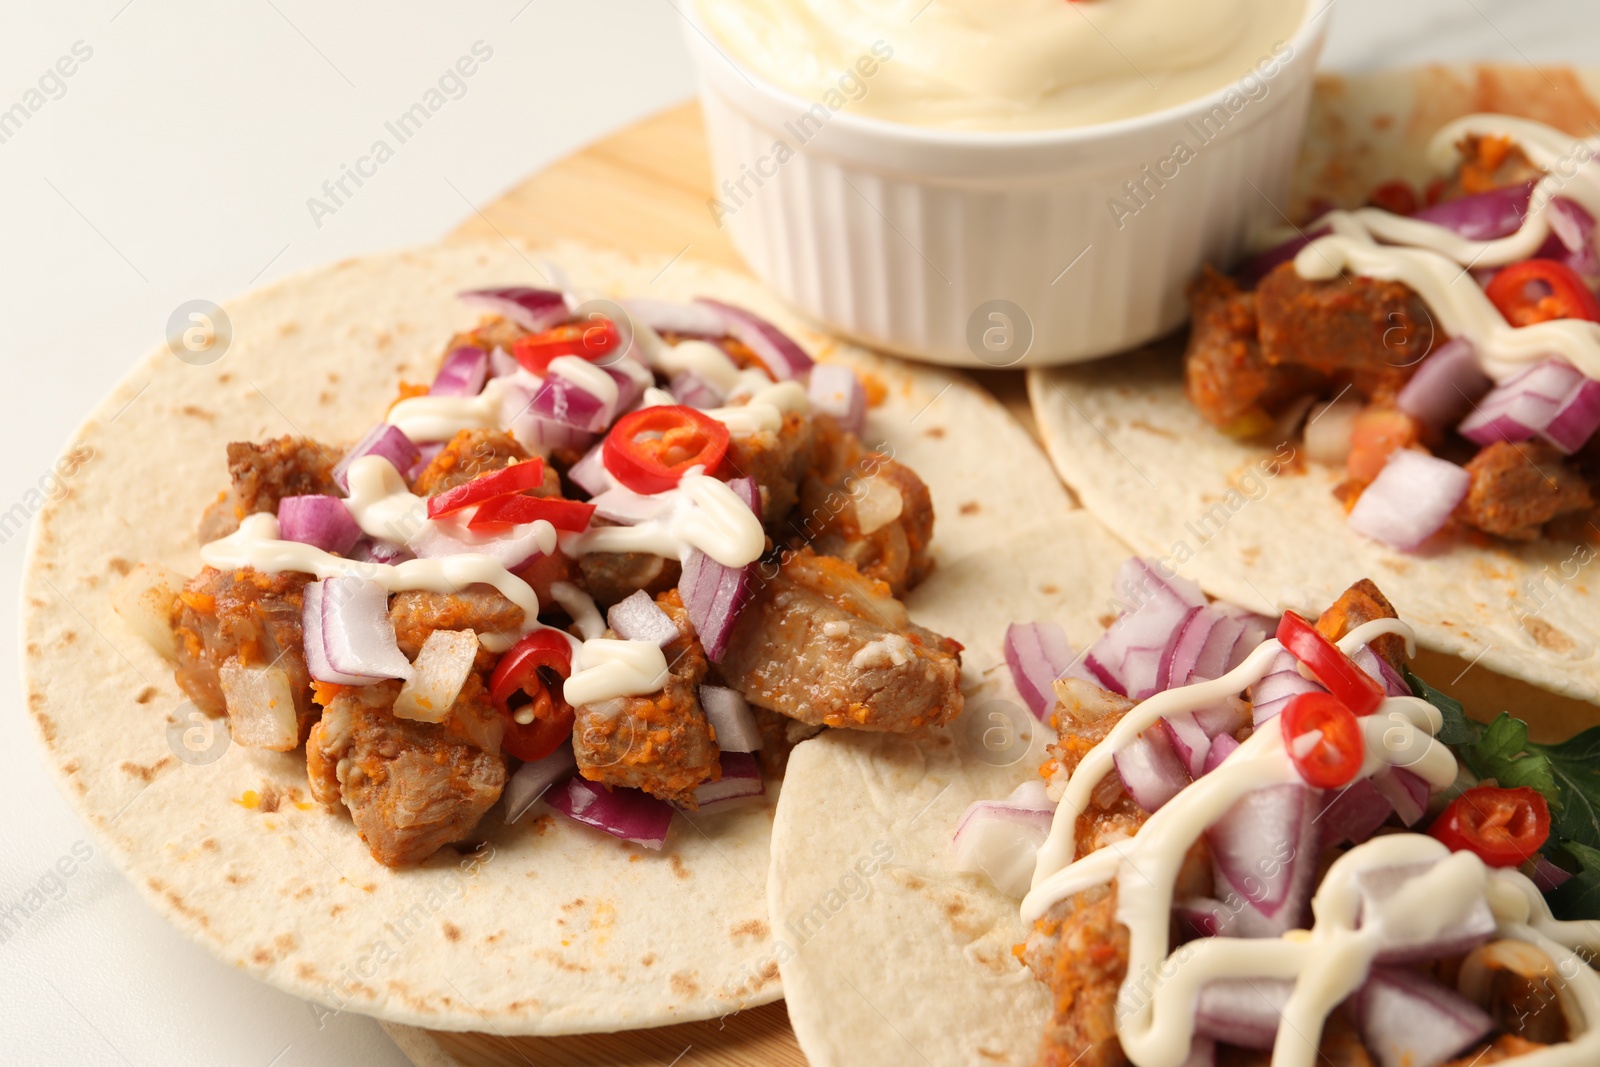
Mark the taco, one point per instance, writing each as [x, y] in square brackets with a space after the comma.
[1251, 841]
[466, 704]
[1406, 387]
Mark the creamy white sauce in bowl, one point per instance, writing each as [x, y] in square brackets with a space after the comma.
[1000, 64]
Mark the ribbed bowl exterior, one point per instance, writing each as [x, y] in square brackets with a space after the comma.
[992, 250]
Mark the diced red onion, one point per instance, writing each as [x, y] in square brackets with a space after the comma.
[632, 380]
[1281, 684]
[511, 550]
[462, 373]
[1203, 917]
[729, 712]
[1202, 1053]
[639, 618]
[1214, 659]
[1248, 853]
[631, 814]
[714, 596]
[502, 363]
[1446, 385]
[749, 491]
[321, 521]
[377, 550]
[1380, 671]
[382, 440]
[1406, 790]
[1329, 431]
[1353, 814]
[667, 316]
[1242, 1011]
[439, 672]
[690, 389]
[1222, 746]
[1403, 944]
[1263, 264]
[1552, 400]
[1151, 770]
[628, 508]
[357, 634]
[741, 777]
[1573, 227]
[1226, 716]
[1546, 875]
[425, 456]
[532, 780]
[1407, 1019]
[590, 474]
[1130, 657]
[1001, 838]
[1189, 741]
[1410, 500]
[260, 706]
[776, 350]
[311, 625]
[835, 390]
[1483, 216]
[562, 400]
[535, 310]
[1192, 638]
[1038, 654]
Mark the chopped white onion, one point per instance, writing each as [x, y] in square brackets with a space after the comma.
[145, 600]
[260, 706]
[730, 715]
[1410, 500]
[1001, 838]
[441, 668]
[639, 618]
[1328, 430]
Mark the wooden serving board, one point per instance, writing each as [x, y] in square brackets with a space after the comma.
[644, 190]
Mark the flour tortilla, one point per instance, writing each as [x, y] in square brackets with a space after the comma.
[918, 967]
[559, 929]
[1142, 459]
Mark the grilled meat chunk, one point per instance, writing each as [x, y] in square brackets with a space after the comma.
[1487, 164]
[777, 460]
[1372, 333]
[1080, 952]
[865, 508]
[264, 474]
[474, 452]
[613, 576]
[659, 742]
[483, 609]
[1518, 487]
[1225, 376]
[244, 617]
[1360, 604]
[411, 787]
[820, 643]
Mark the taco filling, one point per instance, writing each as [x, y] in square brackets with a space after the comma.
[1270, 843]
[618, 560]
[1443, 349]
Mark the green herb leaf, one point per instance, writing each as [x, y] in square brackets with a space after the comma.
[1575, 775]
[1579, 896]
[1503, 753]
[1457, 729]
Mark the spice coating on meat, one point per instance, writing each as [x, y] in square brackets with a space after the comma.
[1518, 487]
[264, 474]
[1080, 952]
[613, 576]
[411, 787]
[1360, 604]
[822, 644]
[246, 617]
[1225, 376]
[483, 609]
[1370, 332]
[659, 742]
[777, 460]
[471, 453]
[863, 507]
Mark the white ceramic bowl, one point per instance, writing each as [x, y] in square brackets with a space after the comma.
[1004, 248]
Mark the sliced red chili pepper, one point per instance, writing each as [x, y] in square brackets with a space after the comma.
[586, 340]
[1323, 738]
[504, 482]
[1504, 827]
[1396, 196]
[516, 510]
[526, 685]
[648, 450]
[1538, 290]
[1353, 687]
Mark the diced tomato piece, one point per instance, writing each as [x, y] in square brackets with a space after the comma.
[1396, 196]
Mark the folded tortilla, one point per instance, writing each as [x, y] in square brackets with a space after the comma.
[1270, 537]
[550, 927]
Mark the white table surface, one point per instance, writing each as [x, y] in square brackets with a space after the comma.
[176, 164]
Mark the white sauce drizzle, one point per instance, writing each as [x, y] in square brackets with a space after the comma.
[703, 513]
[581, 607]
[1433, 260]
[426, 419]
[700, 358]
[612, 668]
[1155, 1011]
[588, 377]
[764, 410]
